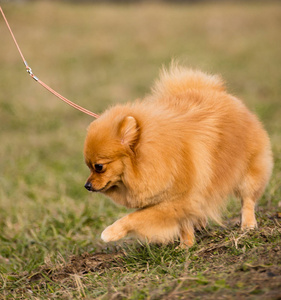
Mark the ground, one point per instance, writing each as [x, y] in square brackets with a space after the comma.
[224, 264]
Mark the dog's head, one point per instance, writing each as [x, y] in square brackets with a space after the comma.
[109, 144]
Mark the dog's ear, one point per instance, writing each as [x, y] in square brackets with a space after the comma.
[129, 131]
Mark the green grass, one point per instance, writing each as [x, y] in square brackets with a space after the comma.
[97, 56]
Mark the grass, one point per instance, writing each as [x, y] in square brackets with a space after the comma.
[98, 55]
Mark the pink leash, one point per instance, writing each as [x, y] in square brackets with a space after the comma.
[29, 71]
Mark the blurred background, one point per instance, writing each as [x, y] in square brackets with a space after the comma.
[98, 53]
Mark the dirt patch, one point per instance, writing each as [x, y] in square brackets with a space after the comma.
[79, 265]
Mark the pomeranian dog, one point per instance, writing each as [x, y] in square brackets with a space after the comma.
[175, 156]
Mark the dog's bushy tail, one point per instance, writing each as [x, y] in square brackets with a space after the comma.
[177, 80]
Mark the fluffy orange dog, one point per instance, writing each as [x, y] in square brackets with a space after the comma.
[176, 156]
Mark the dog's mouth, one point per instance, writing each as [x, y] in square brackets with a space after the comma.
[108, 187]
[105, 188]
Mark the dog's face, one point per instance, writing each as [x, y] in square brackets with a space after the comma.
[108, 145]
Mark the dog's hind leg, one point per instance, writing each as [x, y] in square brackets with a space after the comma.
[187, 237]
[248, 219]
[252, 188]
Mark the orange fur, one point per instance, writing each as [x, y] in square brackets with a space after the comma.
[176, 156]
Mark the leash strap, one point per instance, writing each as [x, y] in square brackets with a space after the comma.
[29, 71]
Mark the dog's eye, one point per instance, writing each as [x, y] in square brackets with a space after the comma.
[99, 168]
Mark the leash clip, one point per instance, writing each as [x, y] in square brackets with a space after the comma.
[29, 71]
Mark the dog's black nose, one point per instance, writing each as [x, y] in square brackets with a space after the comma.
[88, 186]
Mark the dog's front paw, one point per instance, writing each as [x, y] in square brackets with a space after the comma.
[113, 233]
